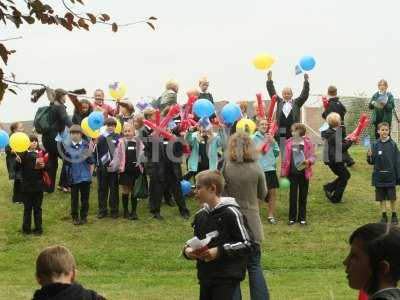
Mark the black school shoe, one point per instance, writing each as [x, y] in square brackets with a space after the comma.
[328, 194]
[133, 216]
[101, 215]
[76, 222]
[384, 219]
[158, 216]
[185, 215]
[395, 220]
[83, 221]
[291, 222]
[37, 231]
[115, 215]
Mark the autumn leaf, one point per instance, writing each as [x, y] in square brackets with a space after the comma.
[92, 18]
[83, 24]
[105, 17]
[28, 19]
[3, 54]
[151, 25]
[114, 27]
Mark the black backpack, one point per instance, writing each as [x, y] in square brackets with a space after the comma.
[42, 121]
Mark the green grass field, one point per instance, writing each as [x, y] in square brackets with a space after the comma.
[141, 260]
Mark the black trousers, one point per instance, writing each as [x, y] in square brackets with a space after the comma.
[338, 186]
[32, 202]
[18, 195]
[52, 167]
[63, 181]
[157, 187]
[83, 189]
[298, 197]
[217, 291]
[107, 191]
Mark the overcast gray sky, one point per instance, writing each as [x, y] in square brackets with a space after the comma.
[355, 43]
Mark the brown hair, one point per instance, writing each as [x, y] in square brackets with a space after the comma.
[241, 148]
[139, 121]
[243, 105]
[384, 82]
[301, 128]
[332, 91]
[14, 126]
[110, 122]
[33, 138]
[209, 178]
[383, 124]
[53, 262]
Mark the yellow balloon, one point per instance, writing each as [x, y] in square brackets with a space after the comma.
[88, 131]
[118, 128]
[246, 125]
[118, 92]
[263, 61]
[19, 142]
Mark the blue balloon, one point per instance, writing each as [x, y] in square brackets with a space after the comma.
[4, 139]
[230, 113]
[307, 63]
[203, 108]
[96, 120]
[186, 186]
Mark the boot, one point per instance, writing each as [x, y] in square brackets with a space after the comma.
[133, 215]
[125, 203]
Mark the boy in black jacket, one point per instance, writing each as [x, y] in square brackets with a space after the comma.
[107, 170]
[56, 272]
[221, 264]
[385, 157]
[336, 106]
[31, 167]
[335, 146]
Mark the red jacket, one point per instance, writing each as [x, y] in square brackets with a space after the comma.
[309, 154]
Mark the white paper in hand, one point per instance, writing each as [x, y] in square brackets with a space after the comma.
[196, 244]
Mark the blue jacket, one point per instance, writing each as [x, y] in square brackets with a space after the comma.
[268, 160]
[77, 162]
[214, 144]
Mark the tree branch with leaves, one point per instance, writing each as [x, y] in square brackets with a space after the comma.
[32, 11]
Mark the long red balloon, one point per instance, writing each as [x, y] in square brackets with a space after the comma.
[362, 124]
[174, 110]
[272, 131]
[271, 108]
[158, 130]
[260, 106]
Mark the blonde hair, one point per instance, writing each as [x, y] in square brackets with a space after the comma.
[244, 105]
[148, 112]
[171, 84]
[53, 262]
[241, 148]
[211, 177]
[333, 119]
[203, 79]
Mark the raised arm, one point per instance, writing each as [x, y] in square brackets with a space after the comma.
[270, 85]
[304, 93]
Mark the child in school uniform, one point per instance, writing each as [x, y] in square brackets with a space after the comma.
[297, 166]
[107, 170]
[126, 112]
[335, 146]
[11, 162]
[382, 105]
[204, 155]
[129, 151]
[221, 266]
[204, 93]
[33, 185]
[335, 105]
[79, 169]
[267, 162]
[385, 157]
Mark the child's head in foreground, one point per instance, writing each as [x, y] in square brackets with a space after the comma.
[332, 91]
[374, 261]
[55, 264]
[383, 85]
[209, 185]
[298, 130]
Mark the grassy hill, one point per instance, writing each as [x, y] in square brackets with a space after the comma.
[141, 260]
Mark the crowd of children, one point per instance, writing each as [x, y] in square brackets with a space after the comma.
[126, 159]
